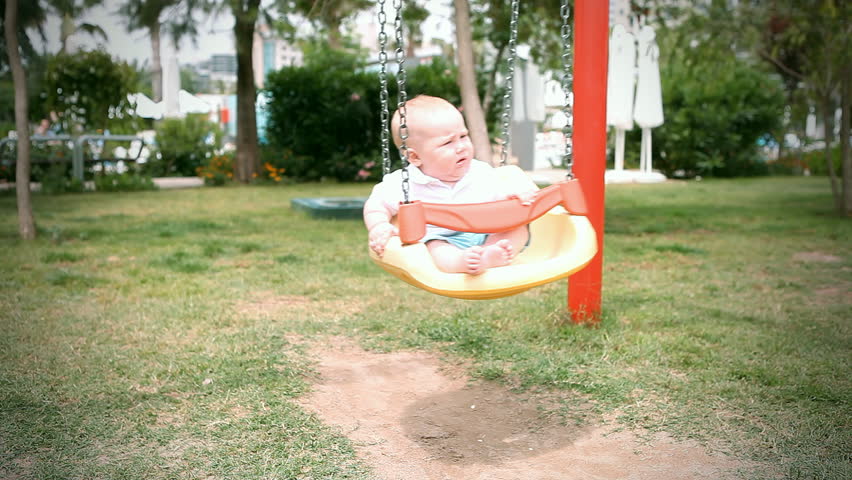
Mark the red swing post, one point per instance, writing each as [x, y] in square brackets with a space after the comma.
[591, 37]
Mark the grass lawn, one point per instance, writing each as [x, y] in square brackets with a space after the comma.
[164, 335]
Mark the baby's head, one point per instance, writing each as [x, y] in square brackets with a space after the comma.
[438, 141]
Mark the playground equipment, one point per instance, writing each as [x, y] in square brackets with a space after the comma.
[331, 207]
[78, 147]
[563, 219]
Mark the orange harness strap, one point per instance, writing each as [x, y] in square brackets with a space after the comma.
[488, 217]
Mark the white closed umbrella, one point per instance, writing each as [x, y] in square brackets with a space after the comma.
[619, 90]
[648, 111]
[621, 78]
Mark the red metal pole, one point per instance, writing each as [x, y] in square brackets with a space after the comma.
[591, 36]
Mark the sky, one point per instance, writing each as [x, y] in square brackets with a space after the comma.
[215, 34]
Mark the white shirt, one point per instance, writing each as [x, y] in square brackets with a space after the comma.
[480, 184]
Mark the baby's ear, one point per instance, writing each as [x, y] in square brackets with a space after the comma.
[414, 158]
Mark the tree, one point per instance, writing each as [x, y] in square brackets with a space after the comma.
[413, 16]
[88, 90]
[246, 14]
[539, 25]
[472, 108]
[330, 14]
[26, 222]
[809, 43]
[31, 16]
[69, 11]
[148, 14]
[247, 159]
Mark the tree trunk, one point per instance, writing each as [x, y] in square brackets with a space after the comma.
[66, 29]
[846, 160]
[473, 112]
[156, 63]
[492, 79]
[409, 48]
[828, 124]
[334, 38]
[247, 163]
[26, 222]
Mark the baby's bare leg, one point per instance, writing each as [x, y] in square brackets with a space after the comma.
[501, 248]
[451, 259]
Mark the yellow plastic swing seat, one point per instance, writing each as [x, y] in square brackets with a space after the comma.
[560, 244]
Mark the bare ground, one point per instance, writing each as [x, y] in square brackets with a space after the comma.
[413, 417]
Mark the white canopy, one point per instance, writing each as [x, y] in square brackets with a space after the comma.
[189, 103]
[145, 107]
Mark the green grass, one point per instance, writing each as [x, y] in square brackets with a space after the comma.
[163, 334]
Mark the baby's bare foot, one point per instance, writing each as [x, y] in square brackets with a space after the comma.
[472, 260]
[497, 255]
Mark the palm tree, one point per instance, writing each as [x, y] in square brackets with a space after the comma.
[15, 23]
[148, 14]
[413, 16]
[331, 14]
[70, 11]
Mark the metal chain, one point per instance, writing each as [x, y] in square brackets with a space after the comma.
[383, 92]
[567, 80]
[401, 98]
[510, 75]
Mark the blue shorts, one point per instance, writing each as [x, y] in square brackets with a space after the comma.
[462, 240]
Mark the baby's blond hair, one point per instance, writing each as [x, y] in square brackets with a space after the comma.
[417, 109]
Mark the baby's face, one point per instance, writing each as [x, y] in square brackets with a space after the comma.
[441, 146]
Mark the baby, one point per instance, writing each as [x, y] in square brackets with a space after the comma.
[442, 170]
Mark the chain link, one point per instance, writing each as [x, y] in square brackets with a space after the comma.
[567, 80]
[401, 98]
[383, 92]
[510, 75]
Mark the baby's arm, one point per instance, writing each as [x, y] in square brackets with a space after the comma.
[377, 219]
[526, 197]
[518, 185]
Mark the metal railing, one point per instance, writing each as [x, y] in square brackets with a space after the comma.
[78, 146]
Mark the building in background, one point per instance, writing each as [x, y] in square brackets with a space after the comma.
[218, 74]
[271, 53]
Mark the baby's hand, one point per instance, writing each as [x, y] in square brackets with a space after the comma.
[526, 198]
[380, 235]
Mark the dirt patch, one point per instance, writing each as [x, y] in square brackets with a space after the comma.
[412, 418]
[269, 305]
[265, 304]
[816, 257]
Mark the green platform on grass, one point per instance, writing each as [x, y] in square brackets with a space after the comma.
[331, 207]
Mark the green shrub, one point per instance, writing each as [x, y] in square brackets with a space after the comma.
[183, 145]
[56, 178]
[123, 182]
[715, 114]
[5, 128]
[88, 90]
[813, 161]
[42, 156]
[324, 122]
